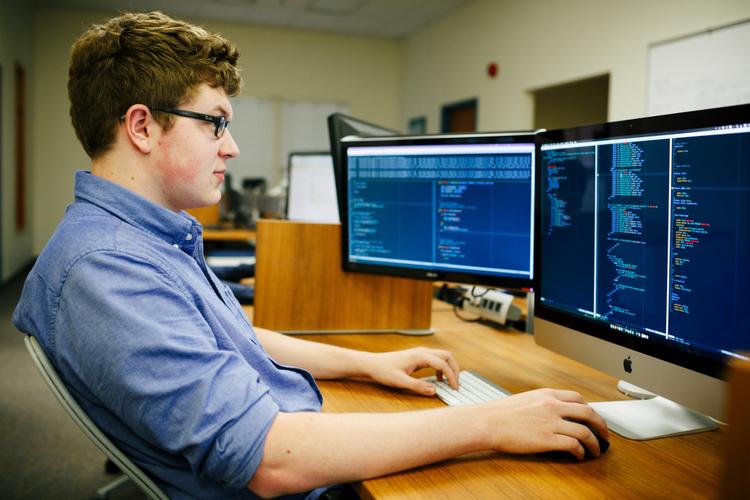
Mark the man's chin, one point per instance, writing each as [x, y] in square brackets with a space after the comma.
[207, 202]
[213, 199]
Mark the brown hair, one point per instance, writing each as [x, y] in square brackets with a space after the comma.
[148, 59]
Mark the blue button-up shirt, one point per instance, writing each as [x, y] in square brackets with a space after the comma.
[153, 346]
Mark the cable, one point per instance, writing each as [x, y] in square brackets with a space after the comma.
[474, 295]
[468, 320]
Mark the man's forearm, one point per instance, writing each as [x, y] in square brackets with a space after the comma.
[303, 451]
[308, 450]
[321, 360]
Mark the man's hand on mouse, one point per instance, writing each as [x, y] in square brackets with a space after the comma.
[545, 420]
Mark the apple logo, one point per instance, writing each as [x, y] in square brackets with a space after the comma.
[627, 365]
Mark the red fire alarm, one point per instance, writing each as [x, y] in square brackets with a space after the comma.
[492, 69]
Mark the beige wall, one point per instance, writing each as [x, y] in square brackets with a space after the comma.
[364, 72]
[539, 43]
[536, 42]
[15, 47]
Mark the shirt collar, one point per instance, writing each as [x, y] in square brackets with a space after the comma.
[174, 228]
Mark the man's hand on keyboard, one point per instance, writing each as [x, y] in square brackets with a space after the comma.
[394, 368]
[474, 390]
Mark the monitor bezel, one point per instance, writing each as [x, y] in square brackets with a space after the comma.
[690, 358]
[339, 127]
[431, 274]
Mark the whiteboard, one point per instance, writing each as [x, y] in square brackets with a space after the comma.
[253, 130]
[704, 70]
[267, 129]
[304, 126]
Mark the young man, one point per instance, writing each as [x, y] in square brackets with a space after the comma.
[157, 351]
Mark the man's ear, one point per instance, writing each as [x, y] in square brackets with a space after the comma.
[140, 127]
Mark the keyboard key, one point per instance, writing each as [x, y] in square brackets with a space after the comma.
[472, 389]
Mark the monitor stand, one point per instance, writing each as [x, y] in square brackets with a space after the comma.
[651, 416]
[634, 391]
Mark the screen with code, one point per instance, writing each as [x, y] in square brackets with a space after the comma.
[442, 208]
[649, 235]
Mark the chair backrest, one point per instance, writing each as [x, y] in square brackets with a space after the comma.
[86, 424]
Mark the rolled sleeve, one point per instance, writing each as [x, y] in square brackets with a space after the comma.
[137, 341]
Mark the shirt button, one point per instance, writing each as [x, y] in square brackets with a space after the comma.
[189, 236]
[175, 245]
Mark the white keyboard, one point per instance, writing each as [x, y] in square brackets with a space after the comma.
[472, 390]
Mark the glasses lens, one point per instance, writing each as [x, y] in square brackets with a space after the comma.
[221, 126]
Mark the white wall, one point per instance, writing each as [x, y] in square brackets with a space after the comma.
[539, 43]
[15, 47]
[364, 72]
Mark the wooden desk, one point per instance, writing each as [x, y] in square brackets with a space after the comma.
[680, 467]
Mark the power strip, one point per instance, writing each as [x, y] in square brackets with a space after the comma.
[492, 305]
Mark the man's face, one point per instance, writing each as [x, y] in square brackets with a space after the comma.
[191, 161]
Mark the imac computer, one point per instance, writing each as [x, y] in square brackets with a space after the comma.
[340, 126]
[643, 244]
[311, 196]
[442, 207]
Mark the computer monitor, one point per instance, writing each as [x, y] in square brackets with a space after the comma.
[340, 126]
[311, 196]
[443, 207]
[643, 266]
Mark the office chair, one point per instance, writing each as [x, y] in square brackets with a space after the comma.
[130, 470]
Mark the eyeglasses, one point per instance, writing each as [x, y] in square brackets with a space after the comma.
[220, 122]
